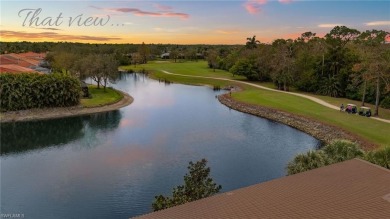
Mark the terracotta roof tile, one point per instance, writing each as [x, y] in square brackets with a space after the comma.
[351, 189]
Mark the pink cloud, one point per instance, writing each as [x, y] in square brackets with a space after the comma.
[253, 6]
[139, 12]
[285, 1]
[163, 7]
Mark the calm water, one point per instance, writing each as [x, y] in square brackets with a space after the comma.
[111, 165]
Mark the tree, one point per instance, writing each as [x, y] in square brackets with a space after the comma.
[375, 62]
[246, 68]
[212, 59]
[109, 69]
[282, 63]
[251, 42]
[144, 52]
[197, 185]
[174, 54]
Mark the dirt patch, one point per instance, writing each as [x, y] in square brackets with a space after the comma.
[324, 132]
[59, 112]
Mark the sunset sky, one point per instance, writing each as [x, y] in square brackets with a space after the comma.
[185, 22]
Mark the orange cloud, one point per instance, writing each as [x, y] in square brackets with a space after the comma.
[253, 6]
[220, 31]
[21, 35]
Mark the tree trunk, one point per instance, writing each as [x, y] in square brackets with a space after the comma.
[98, 83]
[377, 98]
[364, 92]
[323, 59]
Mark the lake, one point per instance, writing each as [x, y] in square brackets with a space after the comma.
[111, 165]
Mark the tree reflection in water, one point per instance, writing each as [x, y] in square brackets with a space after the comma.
[20, 137]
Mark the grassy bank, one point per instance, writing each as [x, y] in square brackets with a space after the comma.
[101, 97]
[369, 129]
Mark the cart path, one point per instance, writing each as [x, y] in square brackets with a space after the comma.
[314, 99]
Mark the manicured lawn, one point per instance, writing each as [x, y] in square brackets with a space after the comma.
[101, 97]
[369, 129]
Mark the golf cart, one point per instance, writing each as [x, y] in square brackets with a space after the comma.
[351, 108]
[365, 111]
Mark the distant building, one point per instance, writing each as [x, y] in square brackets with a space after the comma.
[165, 55]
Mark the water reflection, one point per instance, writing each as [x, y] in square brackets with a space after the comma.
[24, 136]
[111, 165]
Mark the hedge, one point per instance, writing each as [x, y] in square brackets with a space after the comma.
[30, 90]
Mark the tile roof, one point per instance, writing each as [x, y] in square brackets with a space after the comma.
[12, 68]
[351, 189]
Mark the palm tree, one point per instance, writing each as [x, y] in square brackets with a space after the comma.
[342, 150]
[310, 160]
[380, 157]
[251, 42]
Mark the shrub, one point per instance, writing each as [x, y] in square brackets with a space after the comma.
[310, 160]
[379, 157]
[342, 150]
[337, 151]
[29, 90]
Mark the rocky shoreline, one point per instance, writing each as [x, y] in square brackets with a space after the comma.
[319, 130]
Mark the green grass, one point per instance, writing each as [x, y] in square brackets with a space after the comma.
[101, 97]
[369, 129]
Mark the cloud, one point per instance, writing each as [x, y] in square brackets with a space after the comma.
[162, 7]
[377, 23]
[139, 12]
[52, 35]
[285, 1]
[166, 11]
[253, 6]
[45, 28]
[329, 25]
[221, 31]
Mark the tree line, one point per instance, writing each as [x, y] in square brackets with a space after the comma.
[344, 63]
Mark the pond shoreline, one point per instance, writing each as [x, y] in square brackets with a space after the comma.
[62, 112]
[319, 130]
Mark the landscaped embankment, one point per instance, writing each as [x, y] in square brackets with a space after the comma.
[319, 130]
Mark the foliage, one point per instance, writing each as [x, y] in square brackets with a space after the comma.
[342, 150]
[197, 185]
[380, 157]
[245, 68]
[337, 151]
[310, 160]
[28, 90]
[386, 102]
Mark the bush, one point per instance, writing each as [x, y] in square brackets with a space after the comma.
[379, 157]
[337, 151]
[29, 90]
[310, 160]
[385, 103]
[342, 150]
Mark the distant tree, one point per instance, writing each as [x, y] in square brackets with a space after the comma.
[109, 69]
[375, 56]
[197, 185]
[251, 42]
[212, 59]
[174, 54]
[282, 63]
[144, 52]
[245, 67]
